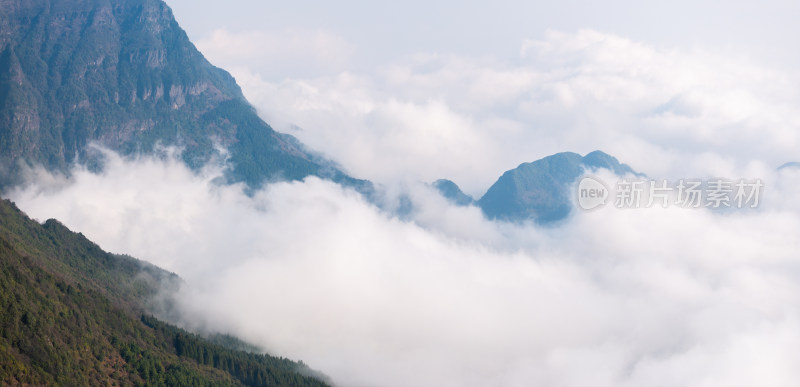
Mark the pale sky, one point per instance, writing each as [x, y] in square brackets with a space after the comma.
[383, 31]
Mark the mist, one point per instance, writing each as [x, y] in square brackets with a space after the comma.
[668, 111]
[310, 270]
[443, 296]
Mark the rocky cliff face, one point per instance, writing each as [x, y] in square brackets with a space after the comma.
[123, 73]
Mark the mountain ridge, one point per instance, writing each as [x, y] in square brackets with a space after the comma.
[452, 192]
[535, 190]
[538, 190]
[123, 74]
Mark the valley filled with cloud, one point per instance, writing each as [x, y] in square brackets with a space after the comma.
[443, 296]
[311, 270]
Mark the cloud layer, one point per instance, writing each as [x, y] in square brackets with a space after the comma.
[311, 271]
[667, 112]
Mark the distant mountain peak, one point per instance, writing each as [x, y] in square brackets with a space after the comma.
[790, 165]
[538, 190]
[452, 192]
[599, 159]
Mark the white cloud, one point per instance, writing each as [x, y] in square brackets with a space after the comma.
[311, 271]
[469, 119]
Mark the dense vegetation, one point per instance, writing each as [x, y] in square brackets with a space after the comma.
[72, 314]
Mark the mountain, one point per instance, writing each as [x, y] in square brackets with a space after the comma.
[123, 74]
[72, 314]
[539, 190]
[790, 165]
[452, 192]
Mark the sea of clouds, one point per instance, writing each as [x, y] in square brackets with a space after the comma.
[667, 112]
[311, 271]
[443, 296]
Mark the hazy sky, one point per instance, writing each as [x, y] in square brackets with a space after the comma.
[383, 31]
